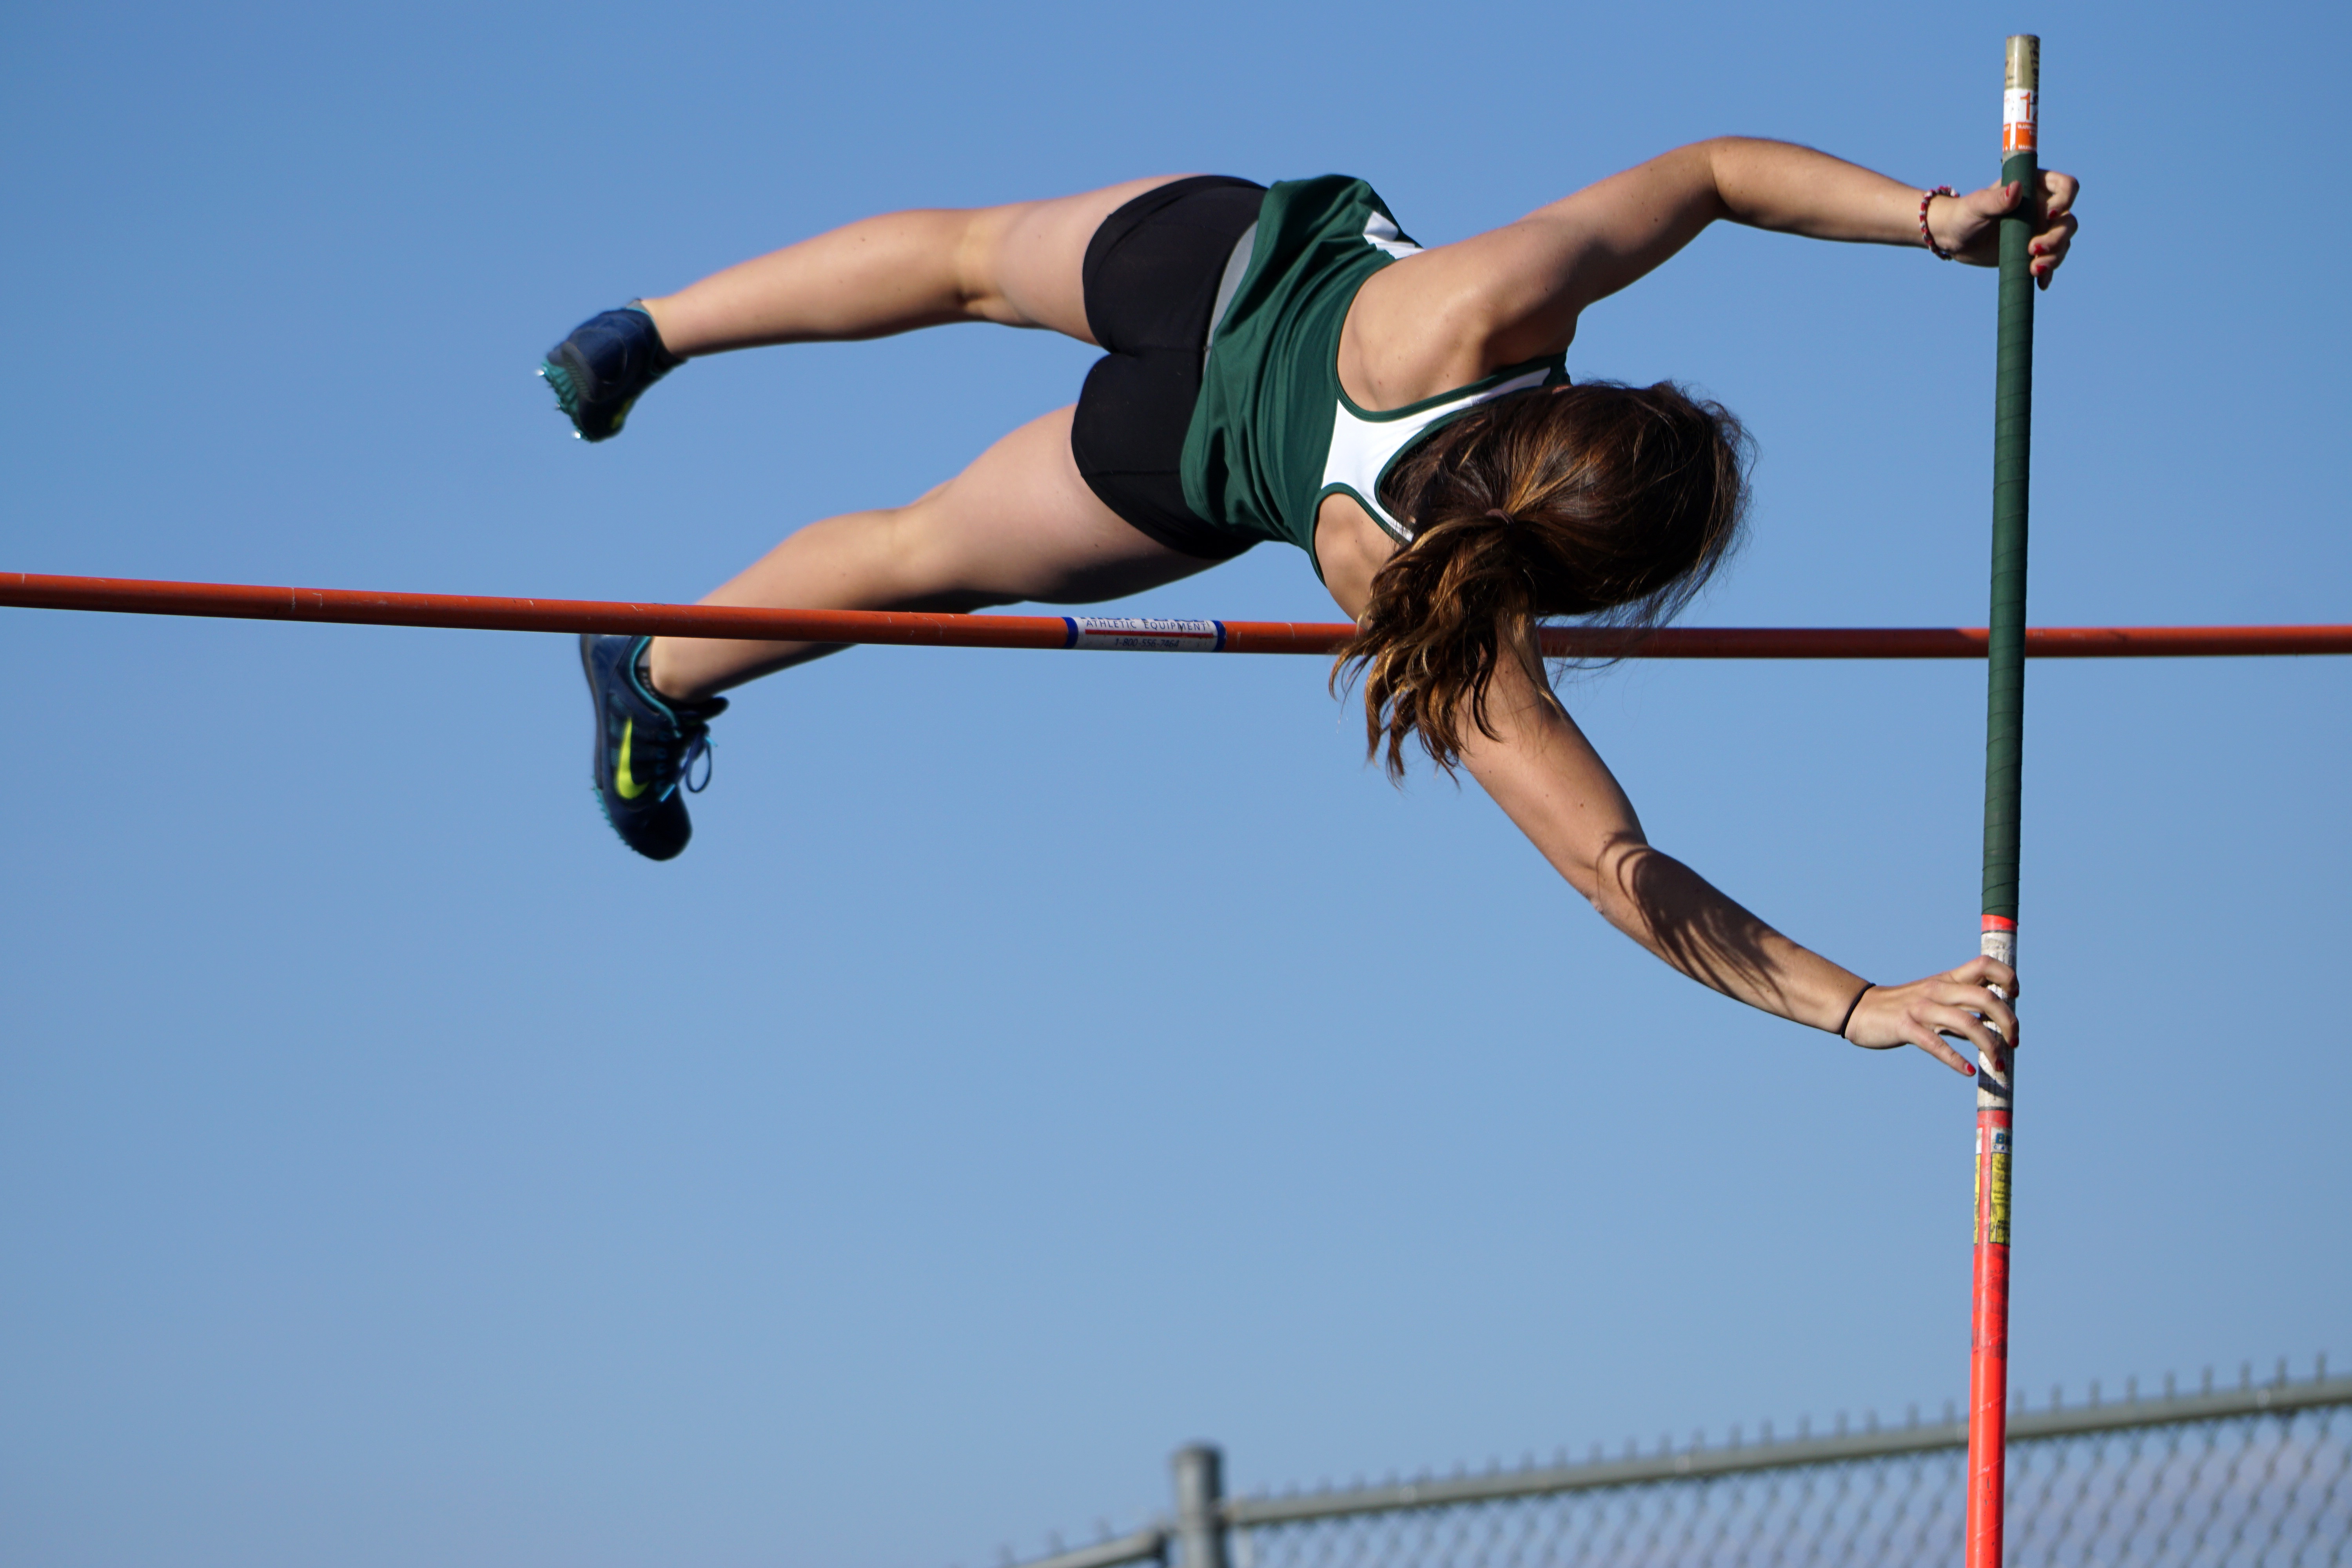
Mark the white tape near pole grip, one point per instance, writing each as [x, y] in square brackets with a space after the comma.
[1998, 944]
[1140, 634]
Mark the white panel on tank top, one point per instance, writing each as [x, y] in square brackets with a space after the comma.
[1361, 450]
[1382, 233]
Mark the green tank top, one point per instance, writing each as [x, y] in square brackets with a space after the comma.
[1272, 432]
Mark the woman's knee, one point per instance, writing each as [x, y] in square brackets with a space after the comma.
[933, 557]
[1024, 264]
[1018, 267]
[979, 267]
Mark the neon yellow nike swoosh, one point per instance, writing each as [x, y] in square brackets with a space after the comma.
[630, 788]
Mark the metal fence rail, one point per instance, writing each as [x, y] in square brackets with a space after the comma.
[2259, 1476]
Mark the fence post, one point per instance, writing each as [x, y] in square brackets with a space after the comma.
[1200, 1506]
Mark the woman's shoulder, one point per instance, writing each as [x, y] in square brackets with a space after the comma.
[1413, 331]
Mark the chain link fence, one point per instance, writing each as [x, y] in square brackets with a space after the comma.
[2255, 1476]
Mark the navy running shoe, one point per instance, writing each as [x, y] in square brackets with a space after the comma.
[599, 371]
[646, 747]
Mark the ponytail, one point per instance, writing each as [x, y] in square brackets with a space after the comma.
[1606, 503]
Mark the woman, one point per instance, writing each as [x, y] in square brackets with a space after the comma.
[1285, 364]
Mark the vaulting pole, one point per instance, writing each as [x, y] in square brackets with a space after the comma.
[2013, 429]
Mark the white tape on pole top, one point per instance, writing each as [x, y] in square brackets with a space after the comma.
[1142, 634]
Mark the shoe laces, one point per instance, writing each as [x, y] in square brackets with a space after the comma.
[690, 743]
[697, 750]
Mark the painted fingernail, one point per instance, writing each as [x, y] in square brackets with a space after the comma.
[1967, 1069]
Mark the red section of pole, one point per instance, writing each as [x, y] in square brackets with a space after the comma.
[1988, 1342]
[477, 612]
[1988, 1292]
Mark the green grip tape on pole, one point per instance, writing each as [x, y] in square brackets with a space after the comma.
[2012, 434]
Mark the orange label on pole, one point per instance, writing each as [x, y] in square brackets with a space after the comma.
[2017, 121]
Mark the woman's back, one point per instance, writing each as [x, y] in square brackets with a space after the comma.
[1276, 427]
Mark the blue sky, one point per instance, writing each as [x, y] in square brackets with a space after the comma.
[1039, 1062]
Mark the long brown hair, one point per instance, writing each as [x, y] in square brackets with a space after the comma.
[1608, 503]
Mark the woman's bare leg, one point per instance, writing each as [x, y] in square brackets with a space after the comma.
[1020, 523]
[1017, 266]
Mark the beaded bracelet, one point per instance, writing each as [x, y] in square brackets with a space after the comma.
[1926, 238]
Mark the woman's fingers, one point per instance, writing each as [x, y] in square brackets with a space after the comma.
[1974, 981]
[2049, 248]
[2055, 237]
[1984, 988]
[1961, 1004]
[1979, 242]
[1981, 970]
[1994, 201]
[1962, 1023]
[1979, 1002]
[1934, 1046]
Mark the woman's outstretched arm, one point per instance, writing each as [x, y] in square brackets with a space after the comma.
[1547, 779]
[1543, 773]
[1518, 289]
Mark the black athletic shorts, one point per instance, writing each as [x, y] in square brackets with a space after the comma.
[1151, 275]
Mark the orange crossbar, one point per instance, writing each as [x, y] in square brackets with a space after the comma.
[472, 612]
